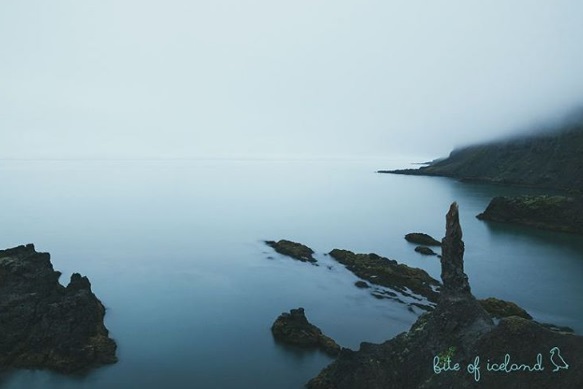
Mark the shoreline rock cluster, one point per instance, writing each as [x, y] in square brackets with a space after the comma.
[459, 345]
[44, 325]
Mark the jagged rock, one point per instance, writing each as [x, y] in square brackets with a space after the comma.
[292, 249]
[295, 329]
[44, 324]
[425, 250]
[458, 331]
[556, 213]
[388, 273]
[499, 308]
[422, 239]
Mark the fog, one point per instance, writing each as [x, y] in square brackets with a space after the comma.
[264, 78]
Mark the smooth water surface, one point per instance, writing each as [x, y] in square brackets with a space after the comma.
[174, 249]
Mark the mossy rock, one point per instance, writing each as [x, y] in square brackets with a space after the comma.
[292, 249]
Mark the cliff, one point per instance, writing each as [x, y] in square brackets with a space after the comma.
[458, 345]
[551, 160]
[44, 324]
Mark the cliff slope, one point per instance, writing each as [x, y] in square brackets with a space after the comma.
[547, 160]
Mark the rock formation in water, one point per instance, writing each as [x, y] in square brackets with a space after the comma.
[553, 160]
[390, 274]
[425, 250]
[422, 239]
[459, 346]
[44, 324]
[292, 249]
[557, 213]
[294, 328]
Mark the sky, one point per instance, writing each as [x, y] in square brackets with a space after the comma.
[269, 78]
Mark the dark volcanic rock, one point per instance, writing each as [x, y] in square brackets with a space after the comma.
[293, 328]
[557, 213]
[422, 239]
[460, 331]
[292, 249]
[388, 273]
[425, 250]
[44, 324]
[499, 308]
[452, 262]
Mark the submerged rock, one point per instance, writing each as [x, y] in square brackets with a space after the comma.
[292, 249]
[44, 324]
[556, 213]
[425, 250]
[422, 239]
[388, 273]
[294, 328]
[459, 346]
[361, 284]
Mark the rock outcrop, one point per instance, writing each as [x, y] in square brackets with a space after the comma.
[389, 273]
[557, 213]
[422, 239]
[425, 250]
[459, 346]
[499, 308]
[44, 324]
[292, 249]
[293, 328]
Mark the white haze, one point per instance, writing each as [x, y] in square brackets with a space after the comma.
[234, 78]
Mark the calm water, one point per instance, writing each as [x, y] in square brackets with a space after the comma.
[174, 250]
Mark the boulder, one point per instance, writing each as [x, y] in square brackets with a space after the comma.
[425, 250]
[422, 239]
[293, 328]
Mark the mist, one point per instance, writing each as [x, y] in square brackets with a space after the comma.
[229, 78]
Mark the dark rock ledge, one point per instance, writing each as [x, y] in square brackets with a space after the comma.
[294, 328]
[458, 331]
[292, 249]
[390, 274]
[44, 325]
[422, 239]
[555, 213]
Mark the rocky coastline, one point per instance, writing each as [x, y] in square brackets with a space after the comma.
[549, 160]
[44, 325]
[459, 345]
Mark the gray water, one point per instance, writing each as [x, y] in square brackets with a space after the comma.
[174, 249]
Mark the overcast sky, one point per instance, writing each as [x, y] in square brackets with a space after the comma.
[187, 78]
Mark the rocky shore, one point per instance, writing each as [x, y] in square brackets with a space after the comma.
[44, 325]
[556, 213]
[458, 345]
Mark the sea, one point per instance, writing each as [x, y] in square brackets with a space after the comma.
[175, 251]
